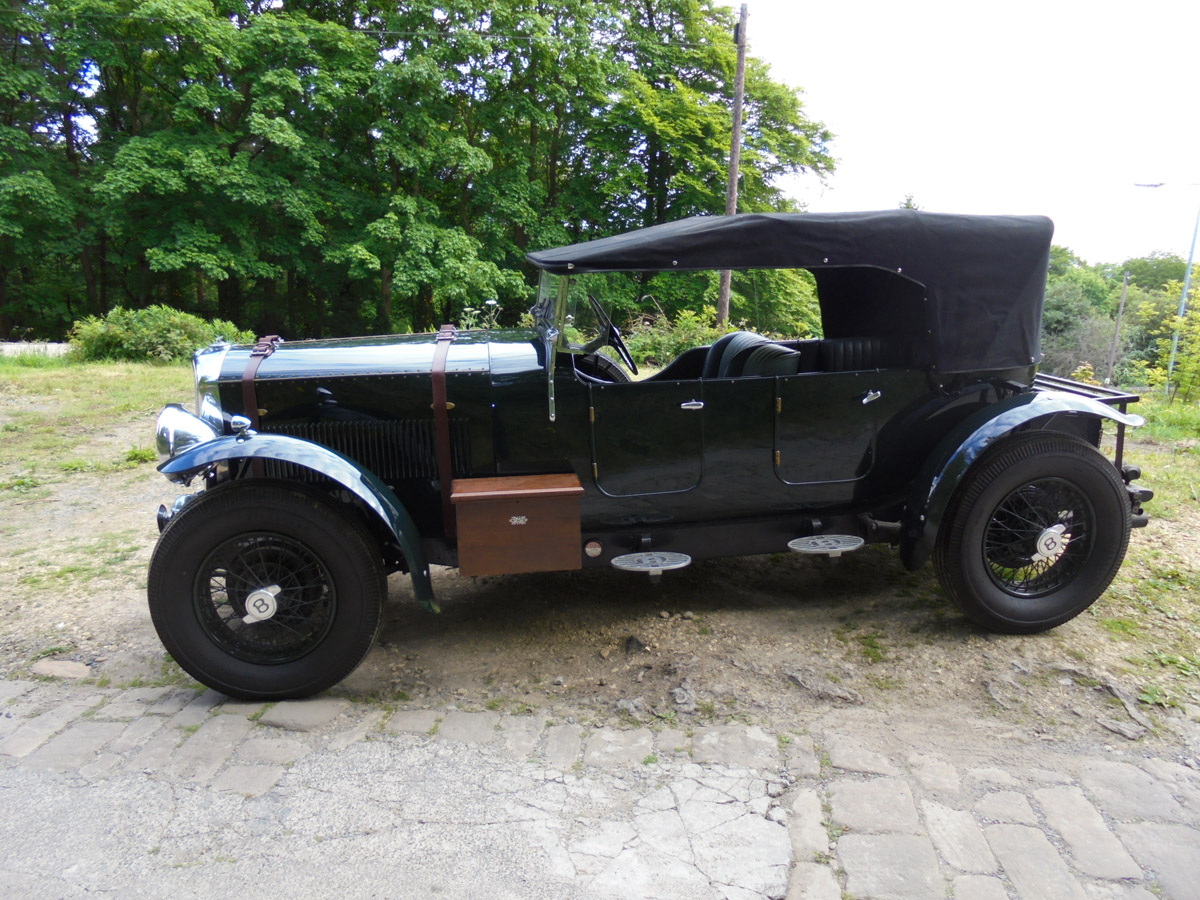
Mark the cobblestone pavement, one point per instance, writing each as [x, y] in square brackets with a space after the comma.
[150, 792]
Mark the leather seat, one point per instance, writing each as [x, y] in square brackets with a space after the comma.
[856, 354]
[723, 352]
[771, 359]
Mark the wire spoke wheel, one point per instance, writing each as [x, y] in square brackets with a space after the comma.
[266, 591]
[304, 603]
[1038, 538]
[1034, 534]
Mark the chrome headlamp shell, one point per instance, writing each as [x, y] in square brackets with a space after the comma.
[206, 368]
[177, 429]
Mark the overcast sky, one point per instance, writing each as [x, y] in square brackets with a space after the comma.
[1055, 107]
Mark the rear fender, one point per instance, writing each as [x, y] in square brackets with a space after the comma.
[958, 451]
[362, 483]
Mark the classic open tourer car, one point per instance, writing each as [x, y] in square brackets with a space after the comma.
[917, 419]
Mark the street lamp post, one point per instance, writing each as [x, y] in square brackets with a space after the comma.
[1187, 282]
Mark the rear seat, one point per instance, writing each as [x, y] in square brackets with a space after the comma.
[855, 354]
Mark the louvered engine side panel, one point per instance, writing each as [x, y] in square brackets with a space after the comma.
[392, 450]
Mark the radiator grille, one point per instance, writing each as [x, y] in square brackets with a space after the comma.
[392, 450]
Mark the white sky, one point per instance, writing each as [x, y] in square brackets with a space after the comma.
[1054, 107]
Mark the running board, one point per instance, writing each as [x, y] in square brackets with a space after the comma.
[652, 562]
[831, 545]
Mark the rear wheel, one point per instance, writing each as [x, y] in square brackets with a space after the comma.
[1035, 533]
[266, 591]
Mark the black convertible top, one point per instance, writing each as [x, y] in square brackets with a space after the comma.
[983, 277]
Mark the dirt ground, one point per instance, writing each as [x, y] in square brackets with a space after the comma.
[763, 639]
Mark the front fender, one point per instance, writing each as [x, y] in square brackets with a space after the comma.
[361, 482]
[953, 457]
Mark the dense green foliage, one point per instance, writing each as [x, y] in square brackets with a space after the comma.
[1079, 321]
[155, 334]
[318, 167]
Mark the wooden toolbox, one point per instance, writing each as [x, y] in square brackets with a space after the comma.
[517, 523]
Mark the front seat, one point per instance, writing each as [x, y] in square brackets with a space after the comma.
[722, 353]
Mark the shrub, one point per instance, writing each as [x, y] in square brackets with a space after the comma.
[655, 341]
[155, 334]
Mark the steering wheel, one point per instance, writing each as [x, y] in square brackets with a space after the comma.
[610, 334]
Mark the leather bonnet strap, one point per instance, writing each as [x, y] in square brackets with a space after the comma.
[264, 348]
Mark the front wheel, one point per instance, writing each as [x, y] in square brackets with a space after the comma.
[1034, 534]
[266, 591]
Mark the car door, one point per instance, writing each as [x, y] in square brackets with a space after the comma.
[825, 426]
[647, 437]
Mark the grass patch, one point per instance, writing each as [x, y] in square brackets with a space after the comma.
[57, 407]
[101, 557]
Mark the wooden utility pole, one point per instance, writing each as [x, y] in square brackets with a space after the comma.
[735, 155]
[1112, 353]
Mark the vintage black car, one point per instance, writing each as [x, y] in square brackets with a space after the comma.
[917, 419]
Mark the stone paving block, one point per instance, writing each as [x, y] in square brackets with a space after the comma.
[934, 773]
[672, 741]
[10, 689]
[172, 702]
[811, 881]
[1171, 772]
[1124, 791]
[891, 867]
[340, 740]
[1171, 852]
[469, 727]
[248, 780]
[1094, 849]
[958, 839]
[851, 755]
[664, 831]
[642, 871]
[304, 715]
[883, 804]
[520, 734]
[1047, 776]
[749, 852]
[608, 747]
[202, 754]
[60, 668]
[414, 721]
[979, 887]
[245, 708]
[993, 776]
[34, 732]
[800, 756]
[735, 745]
[807, 826]
[9, 723]
[1006, 806]
[74, 747]
[197, 709]
[99, 765]
[279, 751]
[132, 703]
[563, 744]
[156, 752]
[1116, 890]
[705, 802]
[1032, 864]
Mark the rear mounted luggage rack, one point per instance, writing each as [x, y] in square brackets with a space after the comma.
[1101, 392]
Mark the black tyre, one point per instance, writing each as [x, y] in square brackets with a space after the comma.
[1035, 533]
[265, 591]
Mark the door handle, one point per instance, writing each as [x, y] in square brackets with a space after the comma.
[871, 396]
[692, 404]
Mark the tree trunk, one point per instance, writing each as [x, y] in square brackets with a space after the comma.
[229, 298]
[384, 317]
